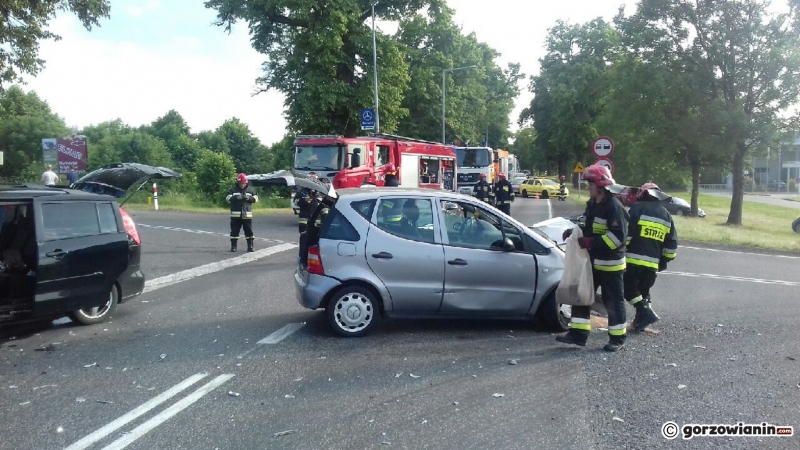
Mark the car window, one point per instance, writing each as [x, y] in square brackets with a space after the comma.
[338, 228]
[381, 155]
[476, 227]
[407, 217]
[69, 220]
[108, 221]
[549, 182]
[364, 207]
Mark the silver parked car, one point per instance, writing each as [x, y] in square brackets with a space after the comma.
[375, 252]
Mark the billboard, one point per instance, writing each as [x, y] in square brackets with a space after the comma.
[65, 154]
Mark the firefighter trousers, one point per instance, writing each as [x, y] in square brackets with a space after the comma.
[611, 284]
[237, 224]
[638, 281]
[505, 207]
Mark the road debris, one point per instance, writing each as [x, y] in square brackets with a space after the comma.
[397, 375]
[48, 348]
[297, 379]
[681, 386]
[455, 403]
[731, 359]
[512, 362]
[44, 386]
[720, 325]
[386, 443]
[413, 376]
[24, 403]
[162, 357]
[59, 430]
[424, 421]
[12, 387]
[284, 433]
[104, 402]
[618, 419]
[288, 396]
[699, 346]
[90, 365]
[791, 358]
[671, 364]
[498, 395]
[233, 394]
[80, 400]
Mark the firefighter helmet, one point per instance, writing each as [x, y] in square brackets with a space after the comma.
[482, 176]
[390, 168]
[242, 178]
[502, 175]
[652, 190]
[598, 175]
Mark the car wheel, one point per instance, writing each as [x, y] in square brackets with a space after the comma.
[545, 195]
[353, 311]
[552, 315]
[525, 193]
[90, 316]
[796, 225]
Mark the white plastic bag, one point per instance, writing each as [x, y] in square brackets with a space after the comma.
[577, 284]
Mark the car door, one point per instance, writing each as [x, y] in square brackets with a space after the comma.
[404, 250]
[479, 277]
[81, 252]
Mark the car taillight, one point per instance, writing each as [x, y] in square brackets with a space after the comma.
[130, 227]
[314, 261]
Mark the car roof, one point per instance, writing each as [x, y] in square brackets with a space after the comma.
[31, 191]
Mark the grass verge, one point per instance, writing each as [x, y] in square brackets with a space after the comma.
[183, 203]
[763, 226]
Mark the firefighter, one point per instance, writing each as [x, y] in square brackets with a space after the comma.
[604, 231]
[391, 176]
[307, 203]
[503, 194]
[241, 197]
[652, 243]
[562, 188]
[483, 191]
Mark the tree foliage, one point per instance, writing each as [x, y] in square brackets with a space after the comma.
[23, 24]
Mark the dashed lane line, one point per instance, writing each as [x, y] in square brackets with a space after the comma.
[727, 277]
[186, 230]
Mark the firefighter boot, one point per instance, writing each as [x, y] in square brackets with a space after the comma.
[250, 245]
[233, 245]
[574, 336]
[615, 343]
[645, 316]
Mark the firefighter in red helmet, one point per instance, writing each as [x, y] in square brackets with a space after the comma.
[483, 191]
[241, 197]
[391, 176]
[503, 194]
[605, 231]
[652, 243]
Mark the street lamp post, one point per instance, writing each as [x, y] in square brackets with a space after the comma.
[375, 71]
[444, 94]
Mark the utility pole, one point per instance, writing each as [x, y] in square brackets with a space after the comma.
[375, 71]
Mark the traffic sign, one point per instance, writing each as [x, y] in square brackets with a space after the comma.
[603, 147]
[578, 168]
[605, 162]
[368, 119]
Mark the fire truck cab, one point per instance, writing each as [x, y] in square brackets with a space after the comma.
[353, 162]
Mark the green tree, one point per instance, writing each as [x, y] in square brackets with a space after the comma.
[530, 156]
[23, 24]
[215, 173]
[282, 154]
[248, 154]
[113, 141]
[24, 121]
[752, 56]
[319, 55]
[570, 89]
[213, 141]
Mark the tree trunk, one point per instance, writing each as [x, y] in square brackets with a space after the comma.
[695, 163]
[735, 215]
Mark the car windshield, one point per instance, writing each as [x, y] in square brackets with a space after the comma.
[326, 157]
[549, 183]
[473, 157]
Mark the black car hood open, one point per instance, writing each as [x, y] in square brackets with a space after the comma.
[292, 179]
[115, 179]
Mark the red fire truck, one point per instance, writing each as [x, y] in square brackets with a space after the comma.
[353, 162]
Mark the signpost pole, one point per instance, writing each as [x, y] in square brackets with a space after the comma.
[155, 196]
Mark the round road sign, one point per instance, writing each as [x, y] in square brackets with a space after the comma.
[605, 162]
[602, 147]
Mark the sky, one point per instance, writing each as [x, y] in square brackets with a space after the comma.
[151, 56]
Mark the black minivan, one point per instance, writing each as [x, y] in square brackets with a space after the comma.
[71, 251]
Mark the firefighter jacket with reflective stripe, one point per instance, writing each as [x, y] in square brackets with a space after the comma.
[483, 191]
[503, 192]
[651, 235]
[306, 204]
[241, 203]
[606, 226]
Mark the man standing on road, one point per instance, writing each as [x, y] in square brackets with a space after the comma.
[483, 191]
[503, 194]
[652, 243]
[49, 178]
[241, 198]
[604, 231]
[307, 203]
[391, 176]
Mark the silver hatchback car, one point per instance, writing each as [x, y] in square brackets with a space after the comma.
[372, 253]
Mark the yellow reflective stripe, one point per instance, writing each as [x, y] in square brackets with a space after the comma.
[635, 300]
[617, 330]
[393, 219]
[639, 262]
[668, 255]
[651, 219]
[248, 215]
[628, 240]
[302, 221]
[609, 266]
[611, 241]
[234, 237]
[580, 326]
[599, 228]
[235, 213]
[255, 197]
[653, 230]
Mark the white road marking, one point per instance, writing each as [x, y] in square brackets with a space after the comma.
[727, 277]
[739, 253]
[549, 210]
[186, 230]
[168, 280]
[168, 413]
[281, 334]
[135, 413]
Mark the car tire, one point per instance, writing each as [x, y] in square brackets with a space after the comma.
[101, 313]
[545, 195]
[353, 311]
[796, 225]
[525, 193]
[553, 316]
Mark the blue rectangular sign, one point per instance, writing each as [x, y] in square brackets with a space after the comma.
[368, 119]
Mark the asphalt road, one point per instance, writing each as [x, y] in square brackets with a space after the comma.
[227, 359]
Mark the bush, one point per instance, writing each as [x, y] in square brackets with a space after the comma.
[215, 173]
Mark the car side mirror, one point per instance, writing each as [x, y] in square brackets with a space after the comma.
[355, 160]
[508, 245]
